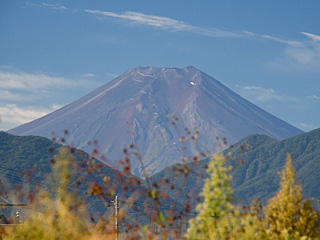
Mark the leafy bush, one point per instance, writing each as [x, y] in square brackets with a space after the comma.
[286, 216]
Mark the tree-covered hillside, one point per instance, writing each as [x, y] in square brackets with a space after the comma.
[256, 162]
[32, 155]
[27, 162]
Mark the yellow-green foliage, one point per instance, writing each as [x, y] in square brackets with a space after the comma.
[286, 216]
[218, 217]
[217, 194]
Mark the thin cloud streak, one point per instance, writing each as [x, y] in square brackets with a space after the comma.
[287, 42]
[314, 97]
[174, 25]
[312, 36]
[166, 23]
[86, 75]
[260, 94]
[54, 6]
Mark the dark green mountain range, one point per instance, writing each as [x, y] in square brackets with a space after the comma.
[19, 155]
[256, 162]
[26, 161]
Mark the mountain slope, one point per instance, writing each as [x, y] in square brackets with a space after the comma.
[258, 176]
[144, 97]
[25, 162]
[20, 153]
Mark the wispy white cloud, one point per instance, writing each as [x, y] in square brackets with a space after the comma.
[6, 95]
[300, 57]
[92, 75]
[174, 25]
[11, 115]
[287, 42]
[306, 126]
[312, 36]
[250, 33]
[89, 75]
[86, 75]
[260, 94]
[314, 97]
[20, 93]
[54, 6]
[156, 21]
[304, 57]
[26, 88]
[166, 23]
[29, 81]
[256, 88]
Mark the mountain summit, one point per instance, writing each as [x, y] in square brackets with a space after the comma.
[144, 97]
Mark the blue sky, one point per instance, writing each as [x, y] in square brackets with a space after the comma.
[54, 52]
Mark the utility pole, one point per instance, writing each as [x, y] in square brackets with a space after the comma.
[116, 206]
[8, 204]
[115, 203]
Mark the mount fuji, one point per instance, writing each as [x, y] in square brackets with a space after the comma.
[145, 97]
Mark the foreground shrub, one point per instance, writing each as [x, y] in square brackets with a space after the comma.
[286, 216]
[218, 217]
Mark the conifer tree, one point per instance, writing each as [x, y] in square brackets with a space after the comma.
[218, 217]
[288, 217]
[217, 202]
